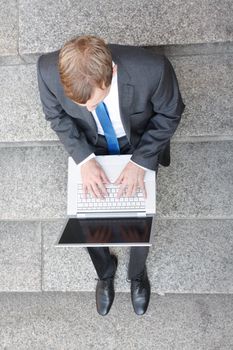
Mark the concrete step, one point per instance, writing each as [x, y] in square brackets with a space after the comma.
[9, 28]
[197, 184]
[21, 115]
[208, 98]
[188, 256]
[70, 321]
[29, 27]
[131, 22]
[20, 259]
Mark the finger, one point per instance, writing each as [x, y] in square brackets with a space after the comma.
[103, 189]
[85, 191]
[119, 179]
[130, 190]
[121, 190]
[104, 177]
[90, 190]
[134, 190]
[143, 188]
[97, 191]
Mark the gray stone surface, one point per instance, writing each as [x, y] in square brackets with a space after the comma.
[194, 49]
[208, 97]
[11, 60]
[132, 22]
[21, 114]
[33, 182]
[20, 259]
[206, 84]
[8, 27]
[197, 184]
[192, 256]
[33, 57]
[188, 256]
[70, 321]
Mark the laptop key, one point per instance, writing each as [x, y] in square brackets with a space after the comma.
[111, 202]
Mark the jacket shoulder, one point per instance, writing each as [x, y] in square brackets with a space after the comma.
[144, 67]
[48, 63]
[136, 54]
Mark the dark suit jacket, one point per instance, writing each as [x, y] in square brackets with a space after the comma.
[150, 106]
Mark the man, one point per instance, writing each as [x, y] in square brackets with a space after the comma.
[87, 84]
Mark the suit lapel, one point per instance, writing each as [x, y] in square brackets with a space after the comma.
[125, 103]
[88, 117]
[81, 112]
[126, 93]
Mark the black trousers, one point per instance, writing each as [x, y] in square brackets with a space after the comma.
[101, 256]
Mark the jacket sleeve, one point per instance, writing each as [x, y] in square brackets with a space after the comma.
[168, 107]
[73, 139]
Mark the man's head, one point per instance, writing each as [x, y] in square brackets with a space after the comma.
[85, 68]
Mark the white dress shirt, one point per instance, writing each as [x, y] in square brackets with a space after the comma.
[112, 104]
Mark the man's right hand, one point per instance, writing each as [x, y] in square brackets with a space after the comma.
[94, 178]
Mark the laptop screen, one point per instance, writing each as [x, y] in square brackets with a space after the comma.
[107, 231]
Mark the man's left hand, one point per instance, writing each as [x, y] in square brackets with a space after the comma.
[130, 179]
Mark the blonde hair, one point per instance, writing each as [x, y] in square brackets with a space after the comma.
[85, 63]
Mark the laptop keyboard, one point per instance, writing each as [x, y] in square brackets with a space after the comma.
[111, 202]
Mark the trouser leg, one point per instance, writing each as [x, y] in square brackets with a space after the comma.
[137, 261]
[102, 261]
[138, 256]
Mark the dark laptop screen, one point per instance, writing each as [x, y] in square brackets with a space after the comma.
[107, 230]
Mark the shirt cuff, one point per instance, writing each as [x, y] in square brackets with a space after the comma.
[139, 165]
[92, 155]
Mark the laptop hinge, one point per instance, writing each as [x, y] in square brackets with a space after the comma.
[112, 215]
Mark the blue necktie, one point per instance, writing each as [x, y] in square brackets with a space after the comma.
[109, 132]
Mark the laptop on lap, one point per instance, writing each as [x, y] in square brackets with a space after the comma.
[94, 222]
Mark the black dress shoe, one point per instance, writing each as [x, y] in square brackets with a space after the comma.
[105, 292]
[140, 292]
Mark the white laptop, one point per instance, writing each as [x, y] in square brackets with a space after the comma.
[127, 221]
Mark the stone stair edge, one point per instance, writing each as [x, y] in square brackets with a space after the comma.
[61, 219]
[176, 264]
[173, 50]
[88, 291]
[206, 169]
[175, 139]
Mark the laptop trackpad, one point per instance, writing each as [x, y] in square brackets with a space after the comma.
[107, 231]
